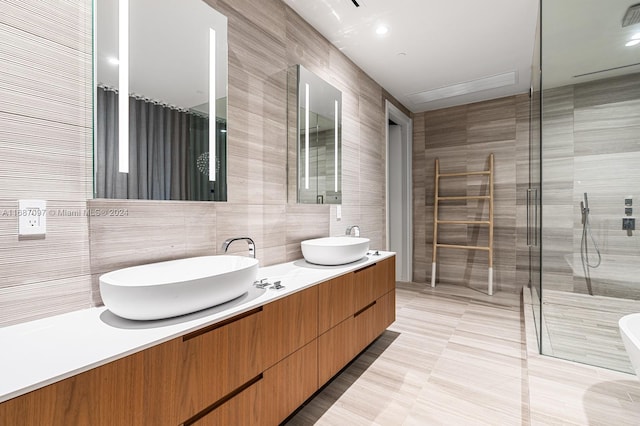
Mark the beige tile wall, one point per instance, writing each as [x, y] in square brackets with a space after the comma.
[462, 138]
[590, 144]
[45, 134]
[45, 152]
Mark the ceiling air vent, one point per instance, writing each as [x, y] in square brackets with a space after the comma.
[631, 17]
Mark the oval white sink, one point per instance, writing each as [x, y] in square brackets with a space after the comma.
[334, 250]
[176, 287]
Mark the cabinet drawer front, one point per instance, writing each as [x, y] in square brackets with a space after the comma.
[367, 324]
[289, 324]
[336, 348]
[290, 382]
[363, 287]
[219, 360]
[335, 301]
[245, 408]
[387, 275]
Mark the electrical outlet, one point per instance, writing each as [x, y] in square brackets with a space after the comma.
[32, 219]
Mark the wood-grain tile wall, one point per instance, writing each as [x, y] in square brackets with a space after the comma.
[590, 144]
[462, 138]
[46, 152]
[45, 149]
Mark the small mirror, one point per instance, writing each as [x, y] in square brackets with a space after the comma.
[167, 139]
[315, 135]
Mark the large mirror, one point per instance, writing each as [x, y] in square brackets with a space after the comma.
[167, 139]
[315, 135]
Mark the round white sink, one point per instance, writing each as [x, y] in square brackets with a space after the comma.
[334, 250]
[176, 287]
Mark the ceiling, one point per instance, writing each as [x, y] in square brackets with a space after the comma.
[455, 50]
[584, 40]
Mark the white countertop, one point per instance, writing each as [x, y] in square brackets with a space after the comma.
[37, 353]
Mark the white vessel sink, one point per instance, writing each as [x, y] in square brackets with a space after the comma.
[176, 287]
[334, 250]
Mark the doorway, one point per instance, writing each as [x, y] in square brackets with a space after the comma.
[399, 204]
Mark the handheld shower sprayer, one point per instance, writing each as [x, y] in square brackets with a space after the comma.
[584, 243]
[584, 208]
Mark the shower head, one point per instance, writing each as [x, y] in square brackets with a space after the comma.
[586, 202]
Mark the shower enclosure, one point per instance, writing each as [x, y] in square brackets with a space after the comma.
[584, 183]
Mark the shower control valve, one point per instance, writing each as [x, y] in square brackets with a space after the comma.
[628, 224]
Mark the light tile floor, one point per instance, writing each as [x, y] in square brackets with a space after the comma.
[455, 356]
[584, 328]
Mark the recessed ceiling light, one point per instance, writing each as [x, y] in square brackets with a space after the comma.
[112, 60]
[632, 43]
[636, 36]
[382, 30]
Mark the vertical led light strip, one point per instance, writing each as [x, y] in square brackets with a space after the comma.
[306, 136]
[335, 141]
[123, 78]
[212, 105]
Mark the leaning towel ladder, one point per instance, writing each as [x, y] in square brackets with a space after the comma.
[437, 221]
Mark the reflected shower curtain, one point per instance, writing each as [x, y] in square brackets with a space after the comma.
[168, 151]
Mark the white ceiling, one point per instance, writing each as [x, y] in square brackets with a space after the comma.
[586, 37]
[432, 44]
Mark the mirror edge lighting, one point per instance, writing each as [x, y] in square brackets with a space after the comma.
[213, 119]
[123, 85]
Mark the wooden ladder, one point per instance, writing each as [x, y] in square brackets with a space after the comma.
[437, 221]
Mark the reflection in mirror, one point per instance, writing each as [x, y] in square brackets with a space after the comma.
[171, 58]
[316, 108]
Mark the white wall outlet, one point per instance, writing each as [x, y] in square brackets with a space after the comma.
[32, 218]
[339, 212]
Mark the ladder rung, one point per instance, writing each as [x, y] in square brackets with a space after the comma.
[483, 172]
[455, 246]
[468, 197]
[464, 222]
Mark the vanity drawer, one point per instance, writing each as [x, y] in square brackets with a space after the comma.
[246, 407]
[336, 348]
[218, 360]
[335, 301]
[289, 324]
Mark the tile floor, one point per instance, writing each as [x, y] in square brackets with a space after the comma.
[455, 356]
[584, 328]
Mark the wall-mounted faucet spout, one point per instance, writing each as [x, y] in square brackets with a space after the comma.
[252, 245]
[355, 229]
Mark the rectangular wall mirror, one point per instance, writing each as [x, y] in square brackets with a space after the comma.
[315, 139]
[167, 139]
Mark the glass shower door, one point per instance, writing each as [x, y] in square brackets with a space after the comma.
[533, 201]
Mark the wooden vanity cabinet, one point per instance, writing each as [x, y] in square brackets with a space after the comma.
[139, 389]
[252, 369]
[221, 362]
[347, 328]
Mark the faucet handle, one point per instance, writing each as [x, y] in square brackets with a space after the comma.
[262, 283]
[277, 285]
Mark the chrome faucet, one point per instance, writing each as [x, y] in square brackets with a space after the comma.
[354, 228]
[252, 245]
